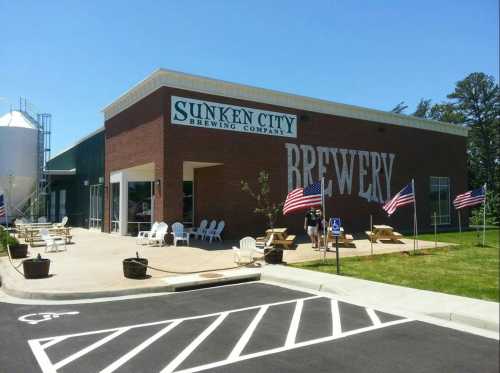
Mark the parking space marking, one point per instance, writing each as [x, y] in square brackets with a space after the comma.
[195, 343]
[129, 355]
[245, 337]
[39, 346]
[336, 326]
[296, 345]
[373, 316]
[294, 324]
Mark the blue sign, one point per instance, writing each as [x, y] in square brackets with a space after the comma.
[335, 226]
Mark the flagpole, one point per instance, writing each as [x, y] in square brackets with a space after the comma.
[325, 241]
[459, 225]
[484, 215]
[415, 226]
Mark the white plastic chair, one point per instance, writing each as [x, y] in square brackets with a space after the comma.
[201, 230]
[143, 237]
[215, 233]
[42, 219]
[247, 250]
[211, 227]
[159, 236]
[51, 242]
[179, 234]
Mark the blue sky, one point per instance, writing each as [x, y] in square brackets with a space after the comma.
[73, 58]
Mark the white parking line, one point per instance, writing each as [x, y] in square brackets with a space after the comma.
[192, 346]
[294, 324]
[129, 355]
[373, 316]
[240, 345]
[296, 345]
[39, 346]
[336, 326]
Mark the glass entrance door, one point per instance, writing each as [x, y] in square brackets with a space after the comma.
[139, 206]
[95, 208]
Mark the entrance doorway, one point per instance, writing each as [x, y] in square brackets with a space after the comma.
[140, 203]
[95, 208]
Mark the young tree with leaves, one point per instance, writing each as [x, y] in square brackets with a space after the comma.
[263, 198]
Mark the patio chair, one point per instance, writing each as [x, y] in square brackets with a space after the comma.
[201, 230]
[211, 227]
[179, 234]
[159, 236]
[247, 250]
[51, 242]
[42, 219]
[144, 236]
[215, 233]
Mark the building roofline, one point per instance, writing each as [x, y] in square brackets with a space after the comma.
[175, 79]
[78, 142]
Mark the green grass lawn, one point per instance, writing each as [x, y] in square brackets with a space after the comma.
[467, 269]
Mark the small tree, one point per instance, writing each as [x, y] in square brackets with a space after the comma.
[263, 199]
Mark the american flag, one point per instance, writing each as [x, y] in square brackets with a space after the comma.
[404, 197]
[2, 206]
[302, 198]
[470, 198]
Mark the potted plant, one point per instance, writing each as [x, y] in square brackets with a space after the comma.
[267, 208]
[17, 250]
[135, 267]
[36, 268]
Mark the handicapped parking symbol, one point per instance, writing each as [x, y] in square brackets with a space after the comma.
[35, 318]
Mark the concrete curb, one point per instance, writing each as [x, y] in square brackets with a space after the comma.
[175, 283]
[482, 314]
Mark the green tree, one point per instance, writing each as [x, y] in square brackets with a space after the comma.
[477, 99]
[423, 108]
[399, 108]
[263, 198]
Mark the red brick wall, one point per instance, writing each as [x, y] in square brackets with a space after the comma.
[419, 154]
[208, 189]
[135, 137]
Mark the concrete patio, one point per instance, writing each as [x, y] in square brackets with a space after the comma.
[92, 265]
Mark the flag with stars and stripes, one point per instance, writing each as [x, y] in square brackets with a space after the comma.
[303, 198]
[406, 196]
[2, 206]
[470, 198]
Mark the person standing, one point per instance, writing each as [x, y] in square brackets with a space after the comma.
[320, 222]
[311, 226]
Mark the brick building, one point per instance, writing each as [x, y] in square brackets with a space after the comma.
[177, 146]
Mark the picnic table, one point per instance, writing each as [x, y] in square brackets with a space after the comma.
[279, 238]
[32, 235]
[343, 238]
[383, 232]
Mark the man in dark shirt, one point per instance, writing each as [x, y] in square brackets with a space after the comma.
[311, 226]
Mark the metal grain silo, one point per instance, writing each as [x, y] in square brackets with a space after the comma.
[18, 159]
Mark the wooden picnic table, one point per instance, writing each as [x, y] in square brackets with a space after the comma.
[280, 238]
[32, 235]
[343, 238]
[383, 232]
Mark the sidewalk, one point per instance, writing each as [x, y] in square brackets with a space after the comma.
[473, 312]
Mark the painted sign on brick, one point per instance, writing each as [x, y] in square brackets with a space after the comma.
[206, 114]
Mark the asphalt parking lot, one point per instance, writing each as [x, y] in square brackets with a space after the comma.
[239, 328]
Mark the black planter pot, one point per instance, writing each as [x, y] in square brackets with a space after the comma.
[273, 256]
[36, 268]
[135, 267]
[18, 251]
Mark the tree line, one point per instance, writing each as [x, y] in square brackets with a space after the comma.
[474, 104]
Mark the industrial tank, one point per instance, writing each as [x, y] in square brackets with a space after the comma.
[18, 159]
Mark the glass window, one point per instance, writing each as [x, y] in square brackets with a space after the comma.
[187, 213]
[139, 206]
[62, 204]
[52, 206]
[440, 200]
